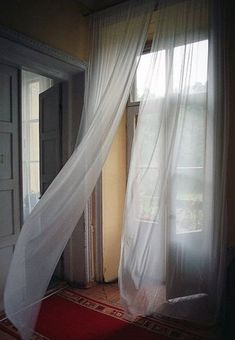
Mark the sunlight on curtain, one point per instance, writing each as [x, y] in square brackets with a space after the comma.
[117, 38]
[32, 85]
[168, 263]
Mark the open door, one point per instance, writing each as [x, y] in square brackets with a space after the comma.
[50, 135]
[9, 170]
[50, 127]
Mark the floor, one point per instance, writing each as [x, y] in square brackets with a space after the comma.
[103, 292]
[5, 336]
[109, 293]
[106, 293]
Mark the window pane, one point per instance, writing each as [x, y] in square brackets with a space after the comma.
[187, 191]
[32, 85]
[152, 141]
[147, 196]
[34, 141]
[192, 146]
[191, 57]
[31, 186]
[34, 100]
[34, 179]
[146, 81]
[187, 75]
[190, 67]
[189, 199]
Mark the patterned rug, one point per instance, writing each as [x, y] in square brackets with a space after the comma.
[70, 315]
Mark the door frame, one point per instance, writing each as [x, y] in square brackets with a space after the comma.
[95, 267]
[23, 52]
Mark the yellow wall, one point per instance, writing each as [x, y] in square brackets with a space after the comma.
[113, 192]
[57, 23]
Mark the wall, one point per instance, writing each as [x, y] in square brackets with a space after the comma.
[57, 23]
[113, 192]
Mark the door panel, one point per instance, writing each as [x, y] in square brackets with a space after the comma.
[5, 155]
[50, 103]
[7, 213]
[5, 258]
[49, 158]
[9, 169]
[50, 118]
[50, 127]
[5, 94]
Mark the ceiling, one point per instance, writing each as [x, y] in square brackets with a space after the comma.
[91, 6]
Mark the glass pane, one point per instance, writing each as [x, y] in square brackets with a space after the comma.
[192, 146]
[152, 141]
[193, 58]
[32, 85]
[31, 186]
[34, 100]
[189, 199]
[34, 179]
[147, 195]
[147, 207]
[187, 191]
[34, 141]
[146, 81]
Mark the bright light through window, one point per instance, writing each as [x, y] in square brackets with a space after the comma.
[144, 76]
[182, 70]
[195, 55]
[32, 85]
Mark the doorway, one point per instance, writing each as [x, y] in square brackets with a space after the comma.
[32, 86]
[41, 138]
[23, 53]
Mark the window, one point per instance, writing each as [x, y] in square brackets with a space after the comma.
[186, 185]
[32, 85]
[142, 77]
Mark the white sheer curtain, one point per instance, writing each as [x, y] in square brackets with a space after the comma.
[32, 85]
[118, 37]
[173, 238]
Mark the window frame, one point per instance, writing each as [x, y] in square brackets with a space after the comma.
[132, 117]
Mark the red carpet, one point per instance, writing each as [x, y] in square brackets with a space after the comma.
[68, 315]
[78, 322]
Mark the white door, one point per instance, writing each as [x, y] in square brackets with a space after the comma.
[9, 169]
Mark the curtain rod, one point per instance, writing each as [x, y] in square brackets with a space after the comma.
[104, 8]
[113, 5]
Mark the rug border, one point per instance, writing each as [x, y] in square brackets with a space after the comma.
[184, 333]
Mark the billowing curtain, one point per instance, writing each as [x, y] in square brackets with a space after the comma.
[117, 38]
[173, 239]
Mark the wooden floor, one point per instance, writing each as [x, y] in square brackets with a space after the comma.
[5, 336]
[107, 292]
